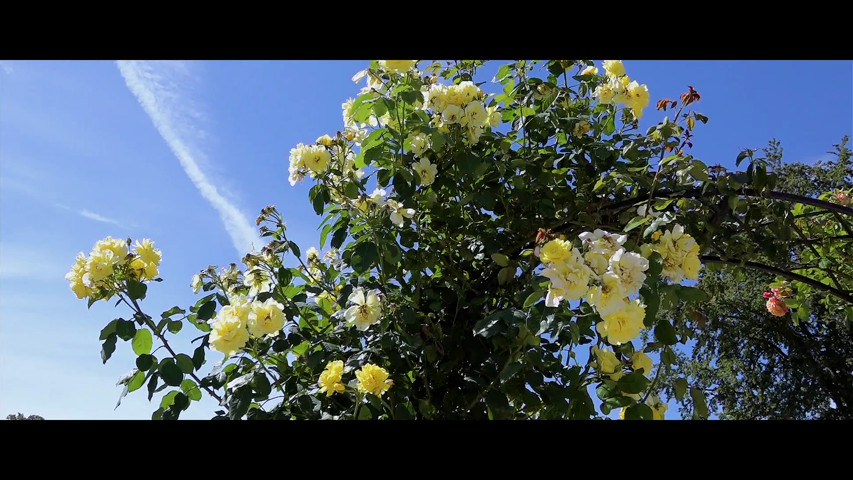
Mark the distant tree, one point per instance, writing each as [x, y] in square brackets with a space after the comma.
[753, 365]
[20, 416]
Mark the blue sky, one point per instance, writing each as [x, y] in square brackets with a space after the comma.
[187, 153]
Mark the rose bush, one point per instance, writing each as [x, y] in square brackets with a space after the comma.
[492, 255]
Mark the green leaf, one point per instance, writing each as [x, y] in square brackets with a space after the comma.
[363, 257]
[168, 399]
[700, 407]
[655, 266]
[319, 203]
[364, 413]
[110, 328]
[470, 164]
[144, 362]
[636, 222]
[191, 390]
[261, 385]
[505, 275]
[136, 381]
[172, 311]
[533, 298]
[125, 329]
[171, 374]
[205, 312]
[510, 371]
[294, 248]
[174, 326]
[680, 387]
[136, 290]
[640, 411]
[339, 236]
[665, 333]
[667, 357]
[185, 363]
[501, 259]
[152, 385]
[142, 342]
[108, 347]
[633, 382]
[651, 298]
[198, 357]
[692, 294]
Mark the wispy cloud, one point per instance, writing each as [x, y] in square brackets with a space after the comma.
[19, 261]
[100, 218]
[159, 88]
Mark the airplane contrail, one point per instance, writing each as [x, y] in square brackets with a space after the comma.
[157, 90]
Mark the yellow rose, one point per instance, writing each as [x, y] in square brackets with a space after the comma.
[426, 171]
[75, 277]
[397, 65]
[608, 364]
[590, 70]
[330, 378]
[476, 113]
[318, 159]
[614, 68]
[691, 266]
[636, 98]
[325, 140]
[265, 318]
[623, 325]
[604, 93]
[115, 245]
[100, 265]
[555, 251]
[228, 334]
[640, 360]
[373, 379]
[609, 297]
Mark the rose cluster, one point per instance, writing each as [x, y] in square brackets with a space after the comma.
[109, 262]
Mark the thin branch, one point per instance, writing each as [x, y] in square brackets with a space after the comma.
[160, 336]
[846, 296]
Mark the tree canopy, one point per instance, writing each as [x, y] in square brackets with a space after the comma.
[756, 366]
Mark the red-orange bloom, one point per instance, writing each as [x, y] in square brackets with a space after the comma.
[777, 307]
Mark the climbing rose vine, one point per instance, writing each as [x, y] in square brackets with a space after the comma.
[504, 247]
